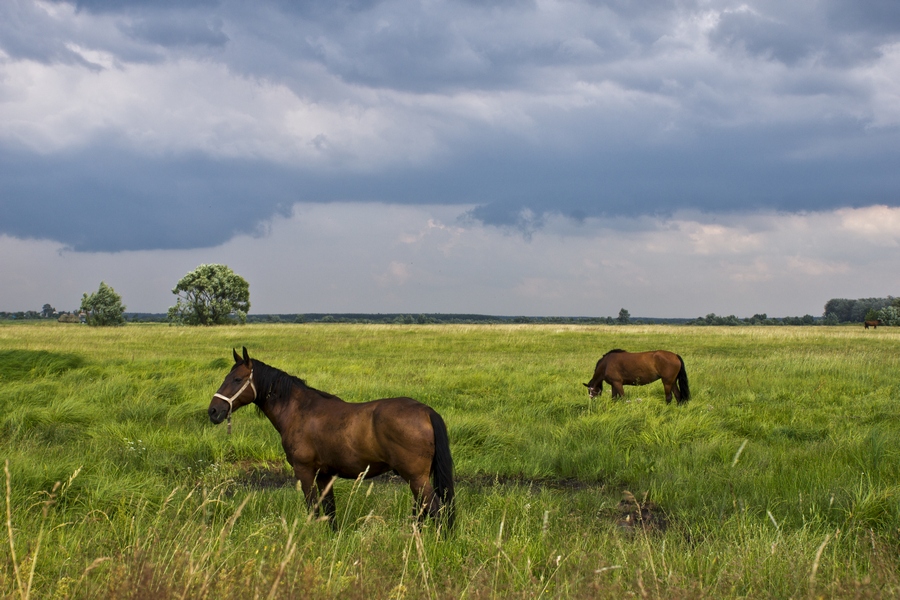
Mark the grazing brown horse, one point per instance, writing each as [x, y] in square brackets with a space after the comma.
[324, 437]
[619, 368]
[872, 324]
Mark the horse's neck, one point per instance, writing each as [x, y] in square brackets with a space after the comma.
[301, 400]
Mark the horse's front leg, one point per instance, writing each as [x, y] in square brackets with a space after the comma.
[325, 485]
[308, 484]
[618, 390]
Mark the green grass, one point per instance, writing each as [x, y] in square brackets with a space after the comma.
[780, 478]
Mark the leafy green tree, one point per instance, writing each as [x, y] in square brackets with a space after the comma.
[889, 315]
[104, 307]
[854, 311]
[841, 308]
[211, 295]
[624, 317]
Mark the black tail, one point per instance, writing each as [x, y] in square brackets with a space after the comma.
[682, 383]
[442, 470]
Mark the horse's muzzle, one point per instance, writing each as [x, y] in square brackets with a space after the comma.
[217, 415]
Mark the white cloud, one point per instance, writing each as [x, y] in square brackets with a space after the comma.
[877, 225]
[714, 239]
[191, 106]
[397, 274]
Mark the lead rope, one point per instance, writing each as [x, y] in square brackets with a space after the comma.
[231, 400]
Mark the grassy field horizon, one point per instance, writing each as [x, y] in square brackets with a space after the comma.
[780, 478]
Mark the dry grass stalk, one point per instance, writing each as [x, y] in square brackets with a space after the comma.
[9, 529]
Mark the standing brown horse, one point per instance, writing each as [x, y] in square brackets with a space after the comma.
[874, 324]
[324, 437]
[619, 368]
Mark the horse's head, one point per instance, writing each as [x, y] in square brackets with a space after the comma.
[237, 390]
[594, 389]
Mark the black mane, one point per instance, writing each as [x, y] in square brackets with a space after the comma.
[277, 386]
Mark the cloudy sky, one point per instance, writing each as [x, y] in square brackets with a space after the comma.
[673, 158]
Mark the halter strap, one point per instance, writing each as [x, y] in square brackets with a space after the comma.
[231, 400]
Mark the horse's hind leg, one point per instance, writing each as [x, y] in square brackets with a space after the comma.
[670, 387]
[426, 501]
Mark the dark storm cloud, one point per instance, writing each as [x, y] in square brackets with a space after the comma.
[28, 32]
[107, 200]
[581, 109]
[763, 36]
[188, 30]
[117, 6]
[729, 173]
[837, 31]
[872, 16]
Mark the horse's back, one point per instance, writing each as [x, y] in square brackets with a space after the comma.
[668, 364]
[665, 357]
[402, 414]
[399, 426]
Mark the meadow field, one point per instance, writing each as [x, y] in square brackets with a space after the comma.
[779, 479]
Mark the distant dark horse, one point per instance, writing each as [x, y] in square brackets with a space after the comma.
[324, 437]
[619, 368]
[873, 324]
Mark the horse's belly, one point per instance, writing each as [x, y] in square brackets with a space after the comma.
[355, 470]
[639, 380]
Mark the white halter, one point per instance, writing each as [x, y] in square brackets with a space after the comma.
[231, 400]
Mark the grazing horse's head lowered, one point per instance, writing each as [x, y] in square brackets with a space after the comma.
[595, 388]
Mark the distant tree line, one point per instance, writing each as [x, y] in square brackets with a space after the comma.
[757, 319]
[213, 294]
[435, 318]
[21, 314]
[837, 311]
[47, 312]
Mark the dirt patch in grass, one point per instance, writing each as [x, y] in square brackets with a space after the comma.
[535, 483]
[639, 515]
[264, 475]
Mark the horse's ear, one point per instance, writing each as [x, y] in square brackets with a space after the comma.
[246, 356]
[237, 358]
[586, 385]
